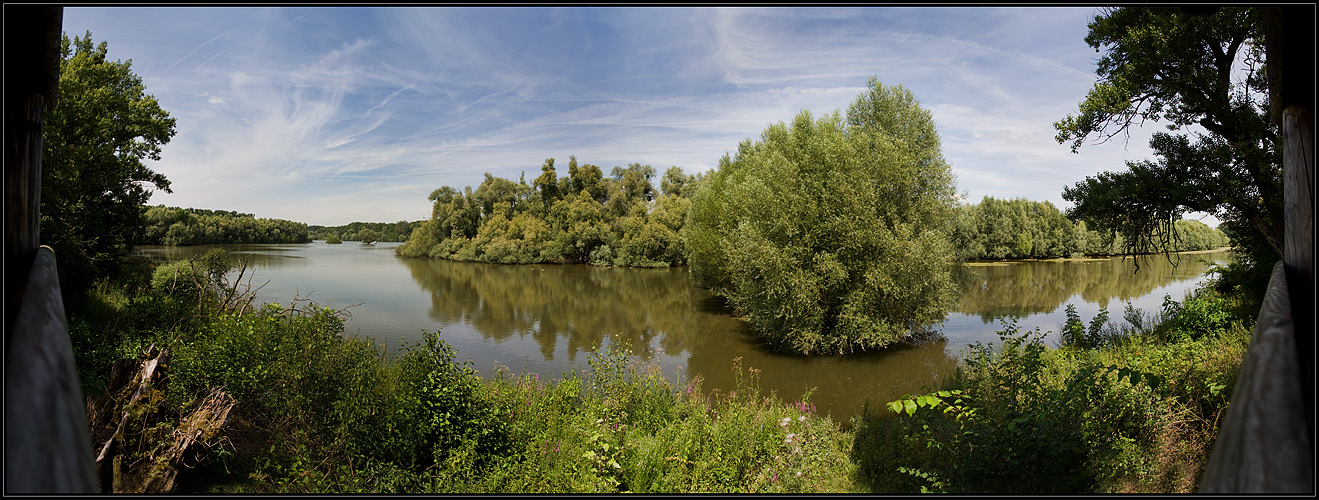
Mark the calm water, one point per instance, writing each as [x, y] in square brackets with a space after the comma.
[548, 319]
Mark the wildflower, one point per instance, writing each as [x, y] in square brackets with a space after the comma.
[801, 418]
[798, 473]
[788, 439]
[785, 421]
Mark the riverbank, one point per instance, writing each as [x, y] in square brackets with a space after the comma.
[1008, 262]
[322, 412]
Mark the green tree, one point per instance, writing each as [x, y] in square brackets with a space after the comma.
[1175, 65]
[94, 185]
[832, 235]
[367, 236]
[547, 184]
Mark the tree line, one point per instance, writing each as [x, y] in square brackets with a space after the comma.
[366, 232]
[195, 226]
[583, 217]
[1024, 229]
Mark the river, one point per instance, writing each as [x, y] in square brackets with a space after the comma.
[547, 319]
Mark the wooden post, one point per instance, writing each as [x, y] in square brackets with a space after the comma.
[47, 438]
[1289, 43]
[1266, 443]
[32, 69]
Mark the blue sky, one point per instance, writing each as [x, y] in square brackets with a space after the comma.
[328, 115]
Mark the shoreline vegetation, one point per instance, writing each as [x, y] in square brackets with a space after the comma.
[1128, 405]
[857, 202]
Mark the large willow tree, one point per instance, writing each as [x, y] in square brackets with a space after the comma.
[831, 235]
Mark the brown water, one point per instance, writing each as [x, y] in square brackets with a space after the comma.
[548, 319]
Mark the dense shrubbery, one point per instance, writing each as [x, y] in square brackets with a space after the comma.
[1024, 229]
[583, 217]
[1132, 409]
[194, 226]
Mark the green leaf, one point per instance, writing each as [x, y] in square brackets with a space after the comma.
[895, 406]
[910, 406]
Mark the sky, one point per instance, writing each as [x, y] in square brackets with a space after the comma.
[329, 115]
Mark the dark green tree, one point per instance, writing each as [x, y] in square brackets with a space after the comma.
[94, 182]
[1175, 65]
[832, 235]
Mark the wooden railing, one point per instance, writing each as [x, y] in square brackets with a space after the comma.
[48, 445]
[1264, 444]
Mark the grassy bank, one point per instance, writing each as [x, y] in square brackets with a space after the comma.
[1131, 409]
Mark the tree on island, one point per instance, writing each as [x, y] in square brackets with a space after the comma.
[333, 239]
[832, 235]
[367, 236]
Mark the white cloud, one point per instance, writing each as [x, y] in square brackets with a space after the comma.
[333, 115]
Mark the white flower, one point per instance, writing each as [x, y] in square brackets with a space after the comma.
[789, 438]
[801, 418]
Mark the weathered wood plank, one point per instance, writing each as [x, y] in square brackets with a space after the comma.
[1263, 445]
[48, 444]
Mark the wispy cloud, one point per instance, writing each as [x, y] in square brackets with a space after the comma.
[330, 115]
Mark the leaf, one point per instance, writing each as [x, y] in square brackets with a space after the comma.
[895, 406]
[910, 406]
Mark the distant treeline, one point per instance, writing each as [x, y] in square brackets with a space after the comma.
[583, 217]
[1024, 229]
[621, 219]
[353, 231]
[195, 226]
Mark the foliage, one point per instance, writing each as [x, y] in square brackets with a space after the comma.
[93, 177]
[385, 231]
[1024, 229]
[1136, 412]
[581, 218]
[320, 412]
[193, 226]
[332, 239]
[367, 236]
[1174, 64]
[831, 235]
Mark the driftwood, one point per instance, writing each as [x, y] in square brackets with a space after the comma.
[139, 451]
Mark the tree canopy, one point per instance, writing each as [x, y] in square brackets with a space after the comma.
[195, 226]
[832, 235]
[1176, 65]
[583, 217]
[94, 182]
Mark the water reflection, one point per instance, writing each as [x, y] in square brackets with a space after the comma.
[584, 306]
[257, 256]
[1018, 289]
[547, 319]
